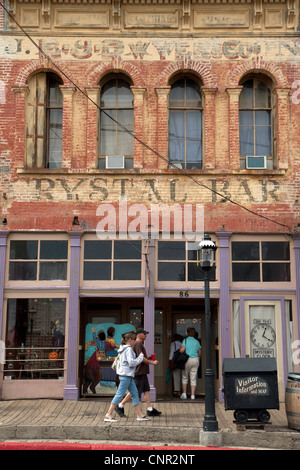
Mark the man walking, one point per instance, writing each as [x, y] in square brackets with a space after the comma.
[141, 378]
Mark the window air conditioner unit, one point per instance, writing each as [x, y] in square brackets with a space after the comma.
[175, 165]
[256, 163]
[114, 162]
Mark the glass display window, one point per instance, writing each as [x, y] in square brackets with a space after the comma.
[35, 338]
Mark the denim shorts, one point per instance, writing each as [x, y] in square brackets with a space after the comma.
[126, 383]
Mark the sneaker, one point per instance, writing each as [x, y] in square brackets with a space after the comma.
[153, 412]
[143, 418]
[192, 397]
[110, 420]
[183, 396]
[120, 411]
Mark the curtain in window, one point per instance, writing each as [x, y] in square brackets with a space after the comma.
[54, 119]
[236, 328]
[255, 119]
[185, 124]
[44, 115]
[116, 104]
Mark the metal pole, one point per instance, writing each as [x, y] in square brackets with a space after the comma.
[210, 421]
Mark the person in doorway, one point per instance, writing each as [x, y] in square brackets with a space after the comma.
[125, 370]
[175, 345]
[192, 348]
[141, 372]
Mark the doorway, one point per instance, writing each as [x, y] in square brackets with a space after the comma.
[97, 317]
[175, 316]
[181, 322]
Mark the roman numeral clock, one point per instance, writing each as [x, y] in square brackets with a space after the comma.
[263, 335]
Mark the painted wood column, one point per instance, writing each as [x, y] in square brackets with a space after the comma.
[149, 309]
[3, 244]
[297, 271]
[224, 307]
[71, 391]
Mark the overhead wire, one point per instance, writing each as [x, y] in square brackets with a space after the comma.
[145, 145]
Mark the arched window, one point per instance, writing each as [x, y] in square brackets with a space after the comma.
[255, 119]
[44, 120]
[185, 124]
[116, 119]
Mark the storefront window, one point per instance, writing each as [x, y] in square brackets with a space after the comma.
[136, 317]
[43, 260]
[35, 339]
[261, 261]
[178, 261]
[112, 260]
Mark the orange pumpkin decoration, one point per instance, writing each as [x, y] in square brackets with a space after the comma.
[53, 355]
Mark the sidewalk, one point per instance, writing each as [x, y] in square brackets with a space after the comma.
[180, 424]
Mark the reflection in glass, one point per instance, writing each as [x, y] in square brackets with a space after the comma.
[171, 250]
[97, 271]
[255, 119]
[127, 271]
[171, 271]
[116, 118]
[185, 124]
[276, 272]
[275, 251]
[97, 249]
[244, 251]
[35, 338]
[246, 272]
[23, 249]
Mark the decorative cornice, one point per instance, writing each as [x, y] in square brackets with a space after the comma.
[176, 15]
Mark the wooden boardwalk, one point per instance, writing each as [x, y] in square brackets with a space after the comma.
[179, 422]
[90, 412]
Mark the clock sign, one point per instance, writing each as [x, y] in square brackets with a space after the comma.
[263, 335]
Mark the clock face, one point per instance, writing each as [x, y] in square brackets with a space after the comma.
[263, 335]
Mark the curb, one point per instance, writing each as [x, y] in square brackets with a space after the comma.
[80, 446]
[182, 436]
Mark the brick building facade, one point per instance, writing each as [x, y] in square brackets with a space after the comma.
[211, 94]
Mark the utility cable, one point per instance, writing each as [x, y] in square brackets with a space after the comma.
[224, 197]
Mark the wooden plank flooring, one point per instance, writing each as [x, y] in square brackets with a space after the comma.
[90, 412]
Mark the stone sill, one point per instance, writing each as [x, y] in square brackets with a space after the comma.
[148, 171]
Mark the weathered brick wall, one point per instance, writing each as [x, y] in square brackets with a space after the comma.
[48, 200]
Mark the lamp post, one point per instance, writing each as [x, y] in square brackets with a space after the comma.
[207, 249]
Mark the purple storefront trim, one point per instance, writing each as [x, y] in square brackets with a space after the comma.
[224, 308]
[71, 391]
[149, 310]
[297, 273]
[3, 244]
[283, 328]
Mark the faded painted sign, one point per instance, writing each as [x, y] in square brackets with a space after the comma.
[101, 189]
[149, 49]
[130, 49]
